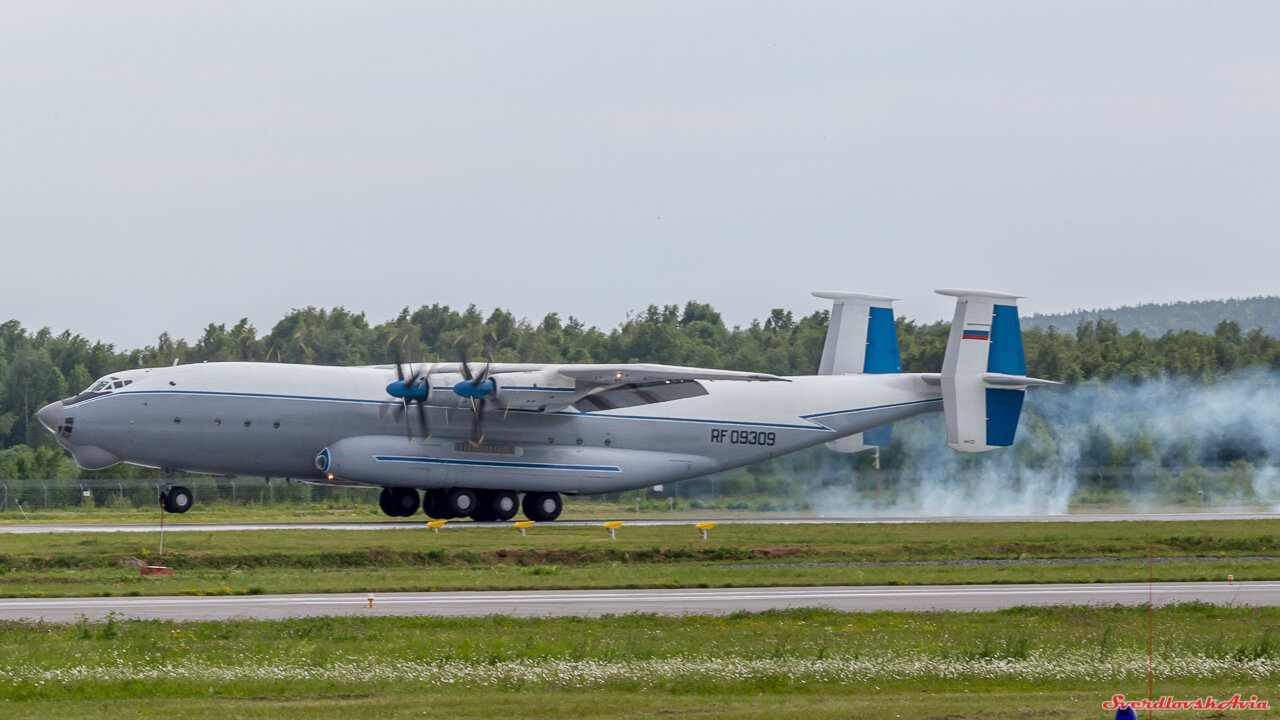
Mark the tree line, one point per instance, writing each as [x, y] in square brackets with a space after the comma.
[1156, 319]
[42, 366]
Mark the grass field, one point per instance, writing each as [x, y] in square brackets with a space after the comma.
[1061, 662]
[574, 509]
[665, 556]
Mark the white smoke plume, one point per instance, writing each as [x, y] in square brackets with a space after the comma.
[1150, 443]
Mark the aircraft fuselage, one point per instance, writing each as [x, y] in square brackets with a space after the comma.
[338, 425]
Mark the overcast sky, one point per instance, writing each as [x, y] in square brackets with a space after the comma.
[166, 165]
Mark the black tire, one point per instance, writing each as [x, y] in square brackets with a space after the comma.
[385, 502]
[504, 504]
[177, 499]
[406, 501]
[496, 505]
[434, 505]
[461, 502]
[484, 507]
[542, 506]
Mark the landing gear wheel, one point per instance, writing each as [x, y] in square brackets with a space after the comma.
[484, 511]
[542, 506]
[434, 505]
[504, 504]
[384, 502]
[177, 499]
[398, 502]
[499, 505]
[406, 501]
[461, 502]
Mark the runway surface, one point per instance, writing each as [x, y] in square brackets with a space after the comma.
[540, 603]
[463, 524]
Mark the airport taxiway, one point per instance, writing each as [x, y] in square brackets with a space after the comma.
[544, 603]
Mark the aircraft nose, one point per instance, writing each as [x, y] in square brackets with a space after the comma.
[51, 415]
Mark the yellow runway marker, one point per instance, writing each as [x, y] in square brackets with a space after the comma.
[704, 527]
[613, 528]
[522, 525]
[435, 525]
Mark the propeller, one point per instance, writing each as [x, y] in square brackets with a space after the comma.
[477, 388]
[413, 389]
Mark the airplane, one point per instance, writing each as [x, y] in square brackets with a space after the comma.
[488, 440]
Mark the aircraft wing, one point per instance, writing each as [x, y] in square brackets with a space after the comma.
[640, 373]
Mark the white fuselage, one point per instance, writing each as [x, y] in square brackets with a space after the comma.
[275, 420]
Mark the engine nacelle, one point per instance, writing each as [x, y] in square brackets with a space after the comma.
[389, 461]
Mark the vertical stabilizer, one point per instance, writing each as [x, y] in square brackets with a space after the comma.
[861, 335]
[984, 371]
[861, 338]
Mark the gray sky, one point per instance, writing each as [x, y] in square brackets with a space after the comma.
[166, 165]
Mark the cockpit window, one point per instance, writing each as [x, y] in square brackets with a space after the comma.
[106, 385]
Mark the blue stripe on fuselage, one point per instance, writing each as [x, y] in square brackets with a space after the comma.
[496, 464]
[815, 426]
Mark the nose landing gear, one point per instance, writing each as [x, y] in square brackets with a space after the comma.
[176, 499]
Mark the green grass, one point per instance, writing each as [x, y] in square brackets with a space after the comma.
[574, 509]
[1060, 662]
[665, 556]
[120, 582]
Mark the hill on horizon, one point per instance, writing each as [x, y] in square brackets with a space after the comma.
[1156, 319]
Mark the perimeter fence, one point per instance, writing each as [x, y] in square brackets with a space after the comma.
[45, 495]
[27, 495]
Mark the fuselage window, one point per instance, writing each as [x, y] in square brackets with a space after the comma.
[117, 385]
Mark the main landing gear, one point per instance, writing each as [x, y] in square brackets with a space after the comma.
[398, 502]
[482, 505]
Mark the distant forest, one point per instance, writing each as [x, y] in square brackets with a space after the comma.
[42, 366]
[1156, 319]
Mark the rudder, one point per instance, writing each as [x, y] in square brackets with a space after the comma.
[984, 372]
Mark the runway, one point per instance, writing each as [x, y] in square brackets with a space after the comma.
[543, 603]
[419, 524]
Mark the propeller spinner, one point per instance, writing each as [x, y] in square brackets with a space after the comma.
[477, 388]
[415, 389]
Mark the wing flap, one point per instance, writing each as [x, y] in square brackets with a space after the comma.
[640, 373]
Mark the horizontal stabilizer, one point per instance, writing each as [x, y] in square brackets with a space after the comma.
[1015, 381]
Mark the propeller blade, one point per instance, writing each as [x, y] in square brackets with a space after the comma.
[466, 367]
[399, 359]
[422, 416]
[477, 408]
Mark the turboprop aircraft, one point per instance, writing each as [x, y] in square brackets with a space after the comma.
[475, 437]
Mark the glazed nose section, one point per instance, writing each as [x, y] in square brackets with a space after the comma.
[51, 415]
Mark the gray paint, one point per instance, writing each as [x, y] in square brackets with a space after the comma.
[198, 418]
